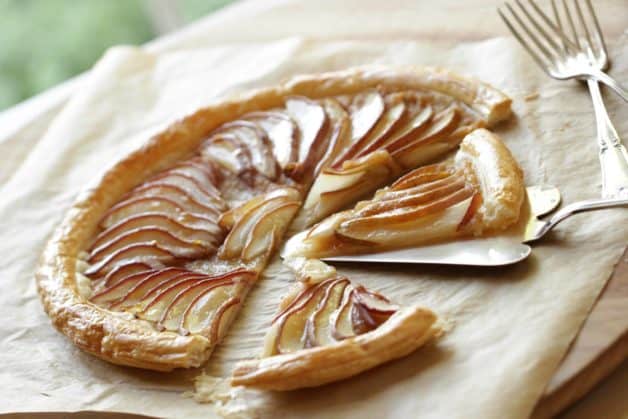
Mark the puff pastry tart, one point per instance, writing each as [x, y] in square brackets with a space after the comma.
[329, 329]
[153, 262]
[479, 190]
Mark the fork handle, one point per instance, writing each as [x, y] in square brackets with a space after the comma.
[602, 77]
[584, 206]
[612, 154]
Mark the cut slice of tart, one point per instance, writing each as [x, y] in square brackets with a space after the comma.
[329, 329]
[480, 190]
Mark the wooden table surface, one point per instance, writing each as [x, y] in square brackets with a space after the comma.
[446, 20]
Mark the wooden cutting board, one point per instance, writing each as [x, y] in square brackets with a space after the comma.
[600, 347]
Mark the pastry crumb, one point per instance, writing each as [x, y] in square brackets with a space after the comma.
[532, 96]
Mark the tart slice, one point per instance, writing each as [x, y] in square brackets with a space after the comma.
[478, 191]
[329, 329]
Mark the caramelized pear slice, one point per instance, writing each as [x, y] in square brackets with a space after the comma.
[389, 121]
[366, 109]
[257, 142]
[239, 235]
[154, 204]
[283, 133]
[207, 310]
[149, 235]
[140, 290]
[172, 316]
[198, 231]
[139, 252]
[268, 229]
[321, 321]
[310, 118]
[123, 271]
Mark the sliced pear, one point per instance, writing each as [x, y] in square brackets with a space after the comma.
[172, 317]
[283, 133]
[389, 121]
[322, 318]
[421, 176]
[140, 252]
[426, 147]
[204, 233]
[229, 218]
[339, 134]
[341, 322]
[207, 308]
[123, 271]
[155, 281]
[388, 194]
[259, 146]
[291, 335]
[414, 230]
[310, 118]
[366, 109]
[187, 199]
[120, 289]
[227, 151]
[420, 198]
[239, 234]
[148, 235]
[268, 229]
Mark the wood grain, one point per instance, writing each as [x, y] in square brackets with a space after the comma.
[600, 347]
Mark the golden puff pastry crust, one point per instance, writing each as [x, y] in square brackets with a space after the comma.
[404, 332]
[119, 337]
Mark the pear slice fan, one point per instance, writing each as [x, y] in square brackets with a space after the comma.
[152, 263]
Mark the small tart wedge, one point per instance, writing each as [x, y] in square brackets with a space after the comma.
[329, 329]
[478, 191]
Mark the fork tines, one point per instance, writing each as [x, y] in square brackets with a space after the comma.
[547, 40]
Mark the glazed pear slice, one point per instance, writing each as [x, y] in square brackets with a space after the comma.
[331, 330]
[188, 200]
[116, 293]
[391, 118]
[310, 118]
[227, 151]
[173, 315]
[148, 284]
[339, 133]
[268, 229]
[283, 133]
[123, 271]
[154, 204]
[240, 235]
[148, 235]
[257, 142]
[333, 190]
[139, 252]
[198, 231]
[366, 109]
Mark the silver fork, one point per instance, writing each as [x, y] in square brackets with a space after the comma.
[579, 57]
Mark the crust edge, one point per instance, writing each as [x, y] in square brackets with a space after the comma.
[403, 333]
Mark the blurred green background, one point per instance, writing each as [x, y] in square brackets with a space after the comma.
[43, 42]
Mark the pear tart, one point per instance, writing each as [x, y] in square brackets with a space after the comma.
[152, 263]
[478, 191]
[330, 329]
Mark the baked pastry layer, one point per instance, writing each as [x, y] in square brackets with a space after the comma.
[198, 205]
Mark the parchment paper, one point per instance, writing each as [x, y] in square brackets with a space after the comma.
[510, 326]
